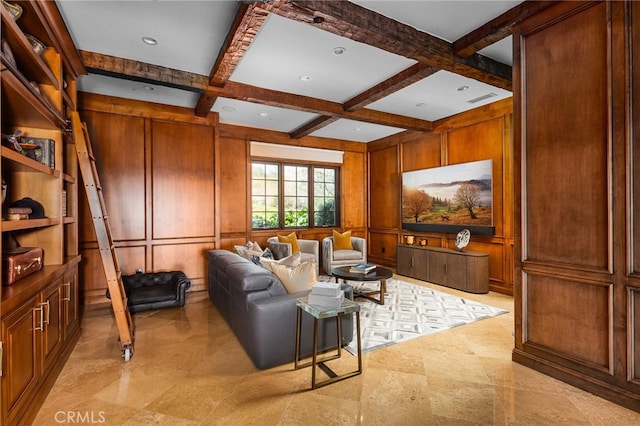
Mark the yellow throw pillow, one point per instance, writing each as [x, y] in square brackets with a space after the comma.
[342, 241]
[291, 239]
[296, 279]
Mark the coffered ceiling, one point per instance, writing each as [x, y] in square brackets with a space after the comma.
[352, 70]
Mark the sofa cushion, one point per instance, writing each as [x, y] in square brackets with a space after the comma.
[297, 278]
[347, 255]
[251, 277]
[342, 241]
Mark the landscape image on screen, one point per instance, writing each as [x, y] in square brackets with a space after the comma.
[459, 194]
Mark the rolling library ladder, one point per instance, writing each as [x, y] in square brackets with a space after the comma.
[110, 264]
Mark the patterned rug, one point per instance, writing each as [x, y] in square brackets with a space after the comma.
[412, 311]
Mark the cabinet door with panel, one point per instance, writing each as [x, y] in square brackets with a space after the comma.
[52, 336]
[70, 302]
[438, 267]
[404, 261]
[412, 262]
[21, 369]
[456, 270]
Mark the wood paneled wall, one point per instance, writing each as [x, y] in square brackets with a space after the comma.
[157, 173]
[176, 186]
[483, 133]
[576, 147]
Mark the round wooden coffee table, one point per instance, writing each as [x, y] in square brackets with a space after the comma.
[379, 274]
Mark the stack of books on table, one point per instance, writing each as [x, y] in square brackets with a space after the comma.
[326, 295]
[362, 268]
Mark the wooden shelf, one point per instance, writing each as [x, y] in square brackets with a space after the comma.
[23, 105]
[27, 60]
[16, 225]
[21, 163]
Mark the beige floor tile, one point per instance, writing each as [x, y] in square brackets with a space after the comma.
[190, 369]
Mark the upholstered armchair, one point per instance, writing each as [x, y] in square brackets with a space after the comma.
[335, 258]
[309, 250]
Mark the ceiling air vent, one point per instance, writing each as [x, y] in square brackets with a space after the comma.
[482, 98]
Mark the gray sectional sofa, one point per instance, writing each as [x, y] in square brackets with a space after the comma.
[262, 314]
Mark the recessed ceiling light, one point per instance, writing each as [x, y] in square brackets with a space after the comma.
[463, 88]
[357, 129]
[147, 88]
[149, 40]
[228, 108]
[305, 78]
[420, 105]
[263, 114]
[339, 50]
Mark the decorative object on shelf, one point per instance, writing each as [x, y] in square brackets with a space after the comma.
[17, 213]
[410, 239]
[13, 139]
[37, 45]
[15, 10]
[424, 242]
[19, 262]
[8, 53]
[4, 190]
[37, 209]
[40, 149]
[462, 239]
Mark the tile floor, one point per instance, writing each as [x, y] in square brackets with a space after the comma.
[189, 369]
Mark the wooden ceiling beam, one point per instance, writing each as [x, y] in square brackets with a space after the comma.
[313, 125]
[153, 74]
[259, 95]
[399, 81]
[142, 71]
[246, 24]
[497, 29]
[350, 20]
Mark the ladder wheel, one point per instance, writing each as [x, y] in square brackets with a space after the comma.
[126, 354]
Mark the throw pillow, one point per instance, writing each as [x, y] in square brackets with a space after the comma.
[291, 261]
[256, 256]
[291, 239]
[342, 241]
[242, 250]
[296, 279]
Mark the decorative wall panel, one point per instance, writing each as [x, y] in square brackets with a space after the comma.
[567, 141]
[182, 180]
[557, 308]
[118, 145]
[189, 258]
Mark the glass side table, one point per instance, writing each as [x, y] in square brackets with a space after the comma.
[319, 313]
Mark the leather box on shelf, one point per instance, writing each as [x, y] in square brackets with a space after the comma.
[19, 262]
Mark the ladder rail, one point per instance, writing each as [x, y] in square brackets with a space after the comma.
[108, 257]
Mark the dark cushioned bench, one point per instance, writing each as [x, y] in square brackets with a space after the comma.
[155, 290]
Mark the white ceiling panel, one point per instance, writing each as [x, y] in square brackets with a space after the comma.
[189, 33]
[355, 131]
[298, 58]
[440, 95]
[127, 89]
[261, 116]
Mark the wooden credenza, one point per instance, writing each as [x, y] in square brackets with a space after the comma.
[462, 270]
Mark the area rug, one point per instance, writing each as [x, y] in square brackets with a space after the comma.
[411, 311]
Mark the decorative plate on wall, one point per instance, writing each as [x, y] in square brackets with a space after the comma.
[462, 239]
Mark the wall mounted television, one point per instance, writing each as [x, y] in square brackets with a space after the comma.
[449, 198]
